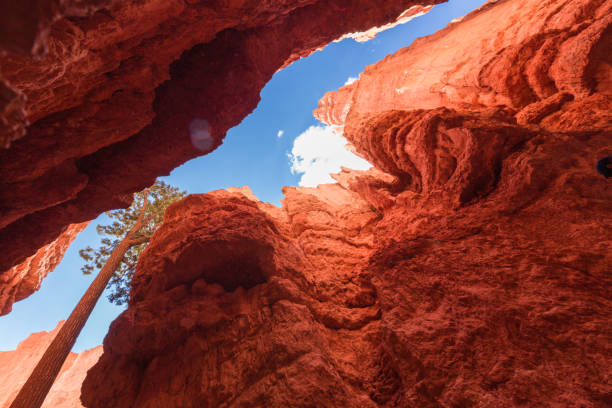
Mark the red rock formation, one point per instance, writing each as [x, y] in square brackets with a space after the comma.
[16, 365]
[22, 280]
[471, 267]
[243, 280]
[111, 103]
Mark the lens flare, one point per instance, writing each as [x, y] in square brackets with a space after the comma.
[199, 132]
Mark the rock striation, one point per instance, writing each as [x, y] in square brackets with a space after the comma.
[16, 366]
[469, 268]
[109, 99]
[24, 279]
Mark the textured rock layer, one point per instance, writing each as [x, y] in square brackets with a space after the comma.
[16, 366]
[469, 268]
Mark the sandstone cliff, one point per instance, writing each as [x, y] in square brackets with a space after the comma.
[470, 267]
[15, 367]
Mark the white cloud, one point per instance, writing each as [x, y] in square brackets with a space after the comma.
[319, 151]
[280, 133]
[350, 80]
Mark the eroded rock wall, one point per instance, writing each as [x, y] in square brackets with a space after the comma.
[470, 267]
[16, 366]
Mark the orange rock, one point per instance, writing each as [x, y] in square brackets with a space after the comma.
[16, 366]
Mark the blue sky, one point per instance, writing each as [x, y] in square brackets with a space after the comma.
[253, 154]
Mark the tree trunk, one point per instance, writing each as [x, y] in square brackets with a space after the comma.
[36, 388]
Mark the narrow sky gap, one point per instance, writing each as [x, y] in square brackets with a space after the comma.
[254, 154]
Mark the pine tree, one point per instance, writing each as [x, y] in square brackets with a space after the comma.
[160, 196]
[116, 258]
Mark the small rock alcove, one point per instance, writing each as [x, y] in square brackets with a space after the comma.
[229, 263]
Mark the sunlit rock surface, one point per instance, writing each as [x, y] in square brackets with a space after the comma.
[22, 280]
[469, 268]
[16, 366]
[111, 102]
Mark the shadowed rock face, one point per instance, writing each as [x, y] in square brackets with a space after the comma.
[470, 267]
[106, 104]
[16, 366]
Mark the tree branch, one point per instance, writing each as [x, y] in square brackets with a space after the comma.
[141, 217]
[138, 241]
